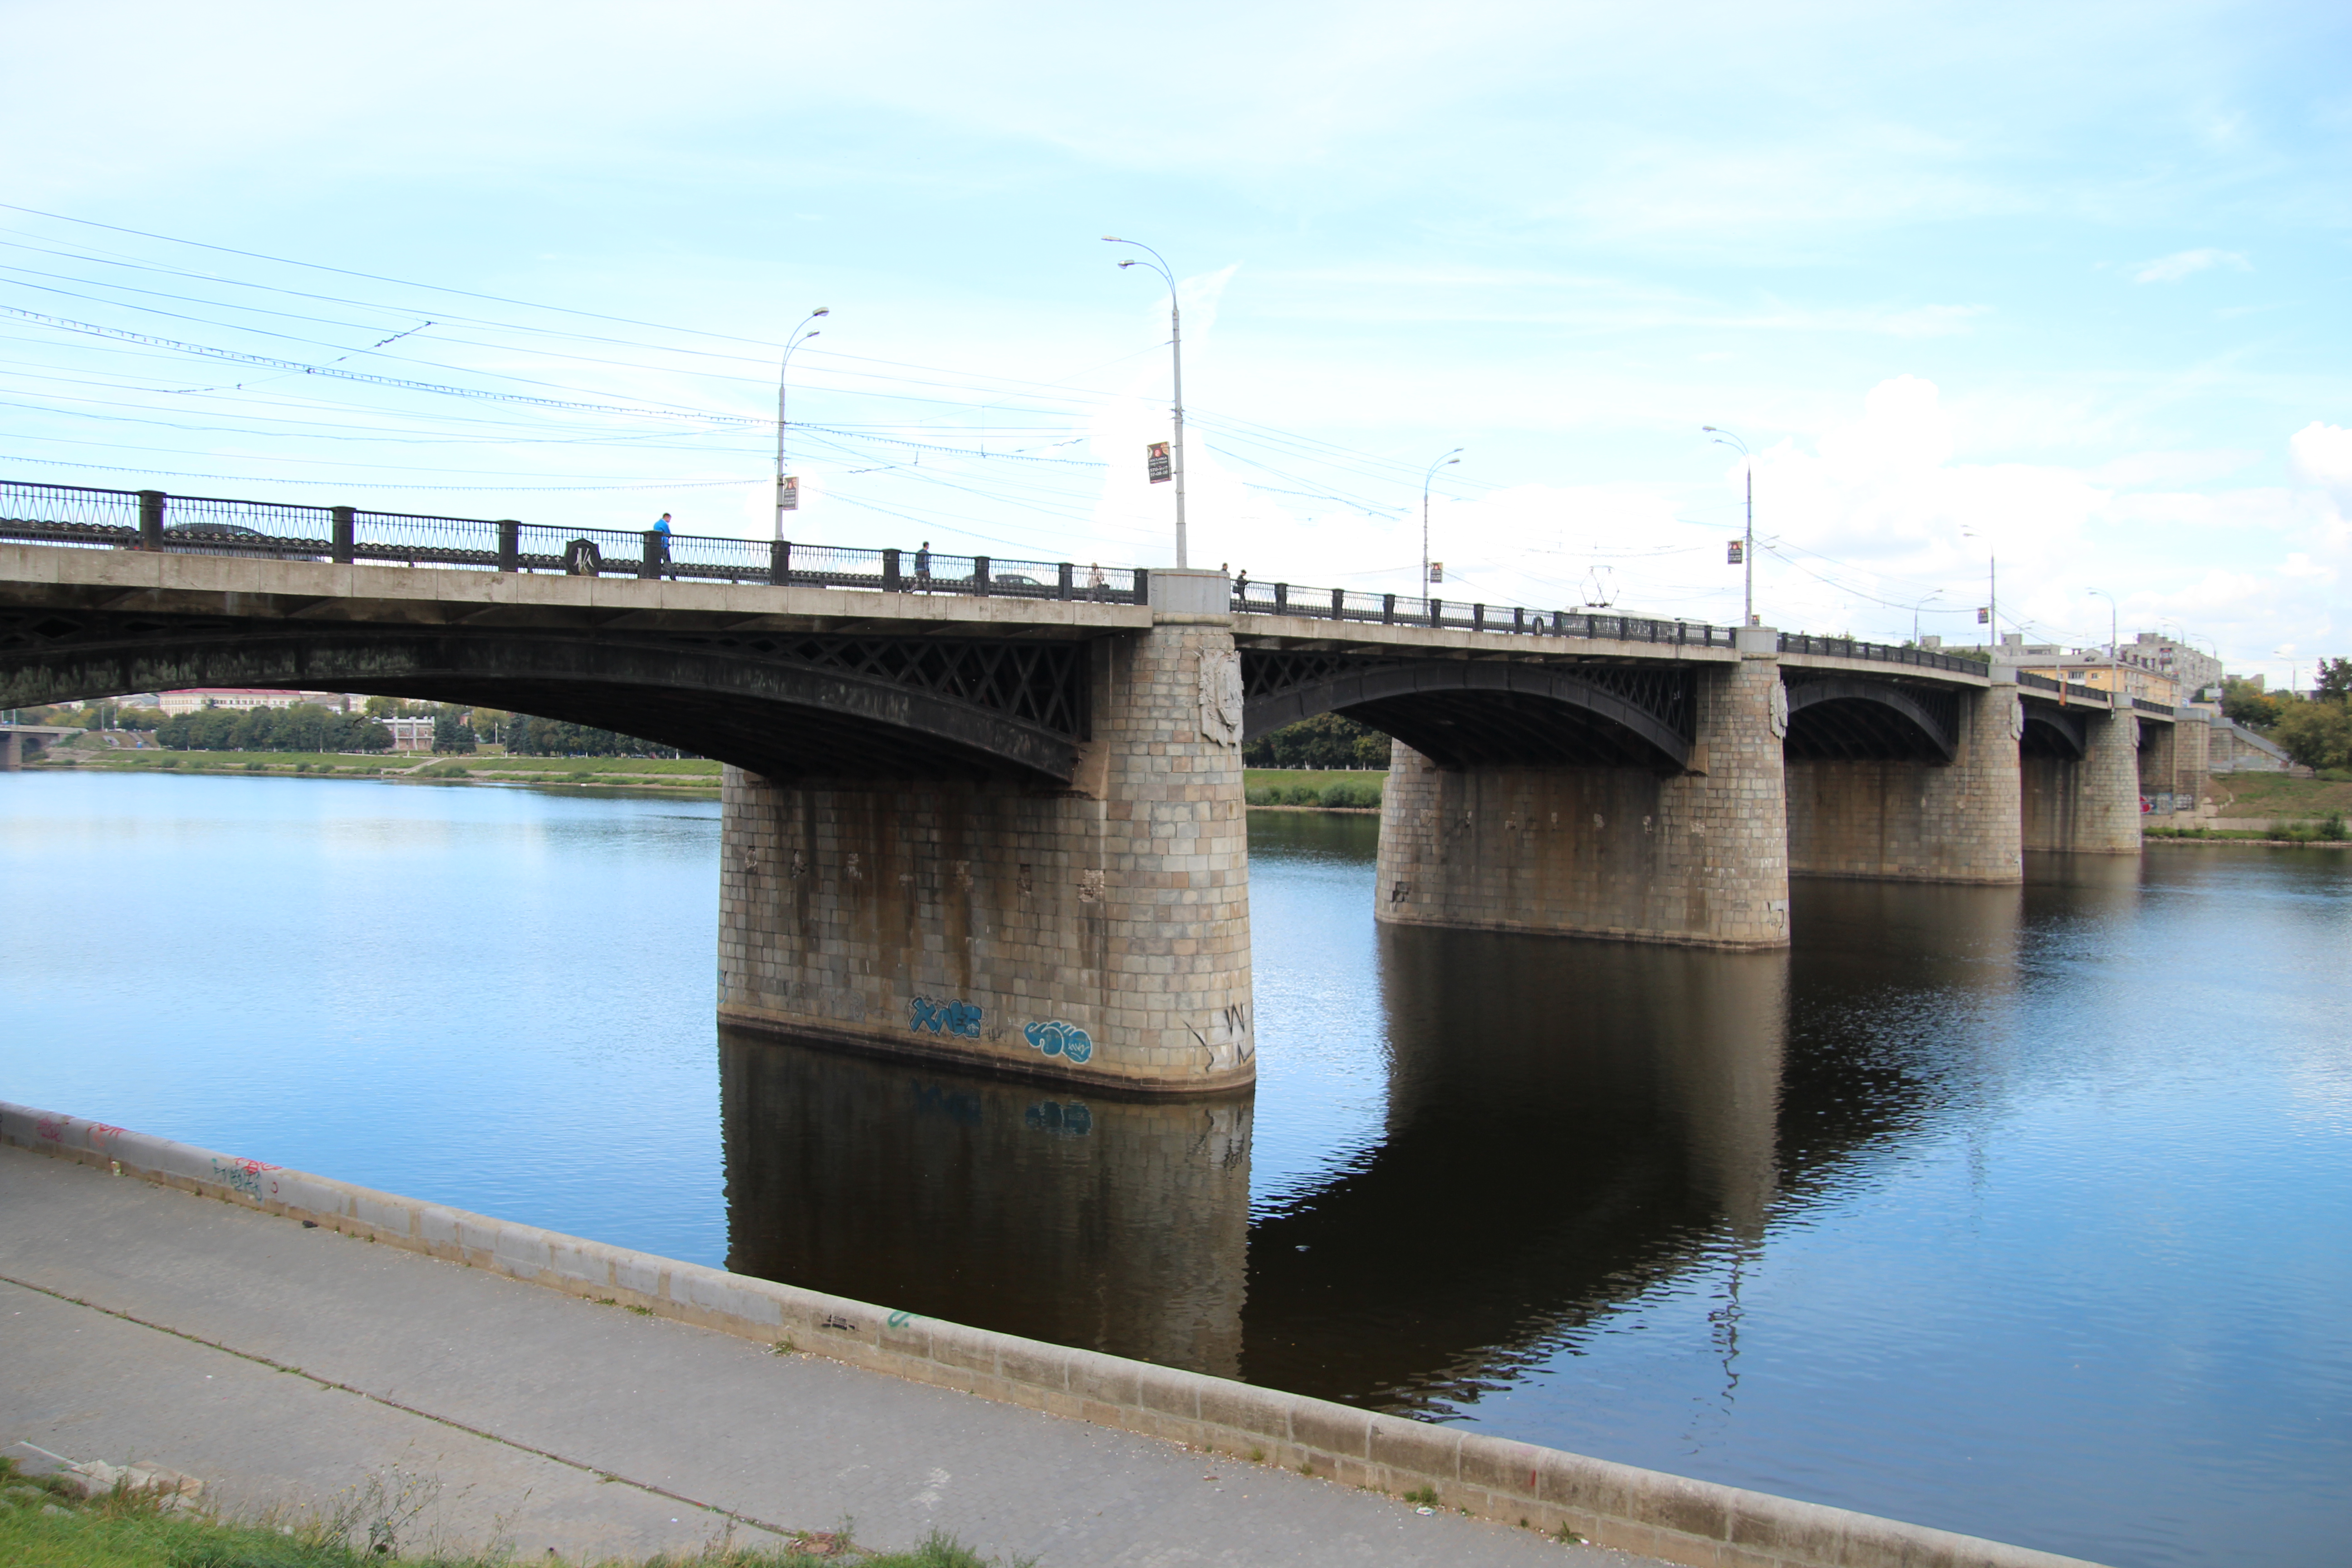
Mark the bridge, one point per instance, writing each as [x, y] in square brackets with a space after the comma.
[18, 742]
[991, 810]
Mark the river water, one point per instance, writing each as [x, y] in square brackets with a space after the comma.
[2021, 1212]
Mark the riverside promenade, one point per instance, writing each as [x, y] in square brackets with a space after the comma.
[302, 1344]
[286, 1367]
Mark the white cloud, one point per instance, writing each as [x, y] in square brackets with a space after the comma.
[2182, 264]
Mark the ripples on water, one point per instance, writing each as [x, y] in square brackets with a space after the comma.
[2020, 1212]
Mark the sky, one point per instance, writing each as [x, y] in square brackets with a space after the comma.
[2057, 291]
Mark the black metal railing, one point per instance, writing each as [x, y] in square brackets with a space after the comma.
[1885, 653]
[2144, 706]
[2034, 683]
[207, 525]
[1251, 598]
[77, 515]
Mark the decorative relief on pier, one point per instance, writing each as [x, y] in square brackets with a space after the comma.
[1056, 1039]
[1778, 706]
[1222, 696]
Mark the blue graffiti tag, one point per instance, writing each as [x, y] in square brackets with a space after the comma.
[1056, 1039]
[956, 1017]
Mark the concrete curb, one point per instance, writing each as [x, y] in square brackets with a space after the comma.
[1646, 1512]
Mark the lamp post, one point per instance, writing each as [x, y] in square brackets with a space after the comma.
[1992, 599]
[796, 338]
[2115, 638]
[1426, 480]
[1748, 550]
[1176, 348]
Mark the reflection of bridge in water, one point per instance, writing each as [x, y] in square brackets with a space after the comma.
[1569, 1129]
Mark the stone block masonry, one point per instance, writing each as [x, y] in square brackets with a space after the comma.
[2091, 805]
[1099, 934]
[1698, 856]
[1918, 821]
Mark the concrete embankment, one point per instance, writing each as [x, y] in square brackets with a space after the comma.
[1277, 1515]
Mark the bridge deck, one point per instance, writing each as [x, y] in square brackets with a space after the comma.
[172, 583]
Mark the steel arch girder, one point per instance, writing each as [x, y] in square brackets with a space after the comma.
[903, 721]
[1886, 694]
[2067, 727]
[1350, 688]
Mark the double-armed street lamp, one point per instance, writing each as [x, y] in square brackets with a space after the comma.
[1426, 480]
[786, 501]
[1748, 550]
[1176, 347]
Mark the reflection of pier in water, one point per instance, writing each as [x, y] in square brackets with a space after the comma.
[1570, 1126]
[1119, 1226]
[1574, 1124]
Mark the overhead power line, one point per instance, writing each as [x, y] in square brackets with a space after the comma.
[123, 335]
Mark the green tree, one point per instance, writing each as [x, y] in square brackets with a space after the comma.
[2316, 734]
[1326, 741]
[2241, 702]
[451, 734]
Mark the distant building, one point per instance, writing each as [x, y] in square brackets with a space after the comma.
[2093, 668]
[197, 698]
[2193, 667]
[410, 735]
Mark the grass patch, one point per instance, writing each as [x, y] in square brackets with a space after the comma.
[2331, 829]
[45, 1522]
[1340, 788]
[664, 767]
[2272, 796]
[232, 762]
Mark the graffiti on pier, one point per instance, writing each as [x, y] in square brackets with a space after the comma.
[949, 1018]
[1056, 1039]
[1059, 1121]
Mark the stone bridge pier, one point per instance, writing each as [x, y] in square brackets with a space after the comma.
[2081, 780]
[1636, 848]
[1097, 933]
[1903, 783]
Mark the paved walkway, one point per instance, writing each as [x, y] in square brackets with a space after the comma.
[286, 1367]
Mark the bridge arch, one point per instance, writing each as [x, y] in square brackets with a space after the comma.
[2053, 731]
[782, 704]
[1840, 718]
[1469, 713]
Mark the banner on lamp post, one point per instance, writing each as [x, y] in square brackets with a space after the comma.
[788, 493]
[1736, 552]
[1156, 464]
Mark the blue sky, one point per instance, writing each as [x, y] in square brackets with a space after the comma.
[2064, 284]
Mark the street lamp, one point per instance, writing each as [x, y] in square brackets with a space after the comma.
[2115, 640]
[1992, 599]
[1748, 552]
[1176, 347]
[1426, 480]
[793, 340]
